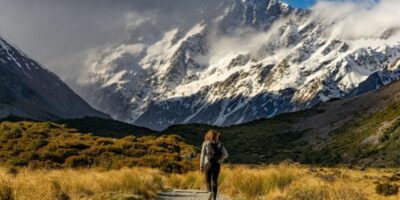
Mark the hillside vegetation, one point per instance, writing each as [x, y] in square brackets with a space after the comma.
[261, 141]
[371, 141]
[358, 131]
[95, 125]
[273, 182]
[106, 127]
[252, 143]
[51, 145]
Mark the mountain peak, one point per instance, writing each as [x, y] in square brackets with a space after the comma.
[266, 3]
[254, 13]
[260, 58]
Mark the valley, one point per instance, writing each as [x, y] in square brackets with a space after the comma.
[307, 101]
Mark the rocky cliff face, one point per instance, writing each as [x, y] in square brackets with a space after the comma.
[28, 90]
[258, 59]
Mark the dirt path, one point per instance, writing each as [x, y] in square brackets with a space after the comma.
[186, 195]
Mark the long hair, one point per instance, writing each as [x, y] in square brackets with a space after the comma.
[212, 135]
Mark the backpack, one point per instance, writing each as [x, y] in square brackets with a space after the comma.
[214, 152]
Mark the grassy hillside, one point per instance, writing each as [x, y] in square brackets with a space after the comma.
[372, 141]
[252, 143]
[96, 126]
[51, 145]
[106, 127]
[359, 131]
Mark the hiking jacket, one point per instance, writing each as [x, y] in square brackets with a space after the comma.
[203, 157]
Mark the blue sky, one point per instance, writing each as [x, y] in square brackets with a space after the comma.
[309, 3]
[300, 3]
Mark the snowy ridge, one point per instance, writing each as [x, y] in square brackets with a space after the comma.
[258, 59]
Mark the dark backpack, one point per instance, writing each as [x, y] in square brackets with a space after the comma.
[214, 152]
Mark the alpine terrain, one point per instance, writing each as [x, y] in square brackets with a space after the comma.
[362, 130]
[28, 90]
[257, 59]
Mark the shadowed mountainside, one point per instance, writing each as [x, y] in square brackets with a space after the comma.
[106, 127]
[28, 90]
[362, 130]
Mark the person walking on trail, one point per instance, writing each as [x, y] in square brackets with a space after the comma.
[213, 153]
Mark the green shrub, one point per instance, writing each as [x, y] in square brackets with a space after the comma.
[130, 139]
[6, 191]
[78, 146]
[40, 143]
[13, 133]
[62, 154]
[104, 141]
[79, 161]
[58, 193]
[51, 146]
[35, 134]
[13, 171]
[29, 155]
[52, 156]
[18, 162]
[387, 189]
[172, 167]
[395, 177]
[47, 164]
[115, 149]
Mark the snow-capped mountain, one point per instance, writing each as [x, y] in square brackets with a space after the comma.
[30, 91]
[258, 59]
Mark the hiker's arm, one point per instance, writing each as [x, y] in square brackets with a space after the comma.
[224, 154]
[202, 156]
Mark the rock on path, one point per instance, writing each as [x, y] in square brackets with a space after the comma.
[187, 195]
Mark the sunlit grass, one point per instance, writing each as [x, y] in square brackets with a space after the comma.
[272, 182]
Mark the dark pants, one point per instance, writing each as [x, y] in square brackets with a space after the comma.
[212, 172]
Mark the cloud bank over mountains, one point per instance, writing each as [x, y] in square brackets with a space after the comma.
[62, 34]
[360, 19]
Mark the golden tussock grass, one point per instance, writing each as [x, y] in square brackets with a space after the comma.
[273, 182]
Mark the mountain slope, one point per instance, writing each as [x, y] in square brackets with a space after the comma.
[362, 130]
[30, 91]
[105, 127]
[258, 59]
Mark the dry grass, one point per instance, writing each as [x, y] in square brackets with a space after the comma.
[136, 183]
[274, 182]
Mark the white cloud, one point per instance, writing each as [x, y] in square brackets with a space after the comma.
[59, 33]
[134, 19]
[360, 19]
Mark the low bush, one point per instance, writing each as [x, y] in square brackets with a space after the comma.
[57, 191]
[79, 161]
[49, 145]
[387, 189]
[6, 191]
[12, 133]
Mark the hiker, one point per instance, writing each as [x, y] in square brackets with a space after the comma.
[212, 155]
